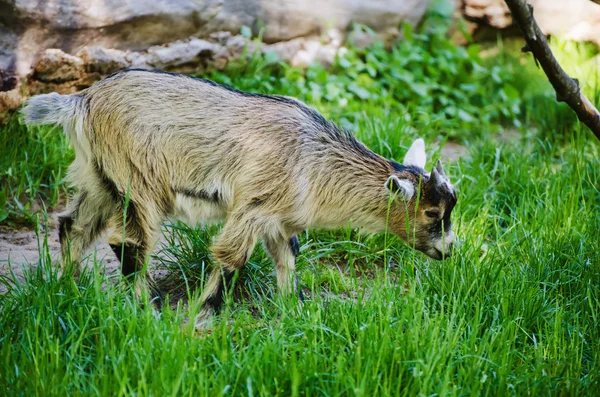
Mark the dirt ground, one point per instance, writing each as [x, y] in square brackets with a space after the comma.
[20, 248]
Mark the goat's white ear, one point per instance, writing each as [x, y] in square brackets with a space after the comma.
[403, 188]
[416, 154]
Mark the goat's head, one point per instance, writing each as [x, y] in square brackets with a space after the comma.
[421, 204]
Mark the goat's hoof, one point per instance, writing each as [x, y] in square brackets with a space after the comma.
[204, 320]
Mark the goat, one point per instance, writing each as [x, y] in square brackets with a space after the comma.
[156, 145]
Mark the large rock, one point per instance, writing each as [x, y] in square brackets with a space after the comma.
[573, 19]
[28, 27]
[68, 44]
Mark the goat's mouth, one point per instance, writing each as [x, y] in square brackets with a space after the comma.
[435, 253]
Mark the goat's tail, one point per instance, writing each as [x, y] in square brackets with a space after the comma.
[66, 110]
[52, 109]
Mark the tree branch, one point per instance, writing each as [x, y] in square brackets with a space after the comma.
[567, 89]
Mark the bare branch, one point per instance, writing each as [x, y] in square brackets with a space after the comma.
[567, 89]
[596, 1]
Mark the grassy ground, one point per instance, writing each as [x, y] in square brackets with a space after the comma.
[521, 319]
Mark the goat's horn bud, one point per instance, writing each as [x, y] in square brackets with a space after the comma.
[440, 168]
[435, 177]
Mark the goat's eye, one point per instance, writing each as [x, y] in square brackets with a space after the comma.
[432, 214]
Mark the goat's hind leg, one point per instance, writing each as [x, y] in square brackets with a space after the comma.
[78, 228]
[132, 245]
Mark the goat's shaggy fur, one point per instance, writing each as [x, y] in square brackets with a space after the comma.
[153, 145]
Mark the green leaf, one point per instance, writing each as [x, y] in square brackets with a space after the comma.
[246, 32]
[408, 32]
[344, 63]
[464, 116]
[420, 89]
[473, 50]
[359, 91]
[3, 207]
[511, 92]
[270, 58]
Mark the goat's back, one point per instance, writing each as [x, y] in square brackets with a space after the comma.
[194, 135]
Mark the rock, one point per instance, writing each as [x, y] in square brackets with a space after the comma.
[236, 46]
[495, 13]
[28, 27]
[103, 60]
[9, 100]
[574, 20]
[65, 73]
[38, 39]
[304, 51]
[8, 80]
[180, 53]
[57, 67]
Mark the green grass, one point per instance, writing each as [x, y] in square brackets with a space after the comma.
[32, 166]
[523, 318]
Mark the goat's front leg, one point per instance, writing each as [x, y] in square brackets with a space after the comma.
[230, 252]
[284, 252]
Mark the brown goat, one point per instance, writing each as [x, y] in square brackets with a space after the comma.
[156, 145]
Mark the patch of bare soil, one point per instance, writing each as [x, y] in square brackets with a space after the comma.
[20, 249]
[451, 152]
